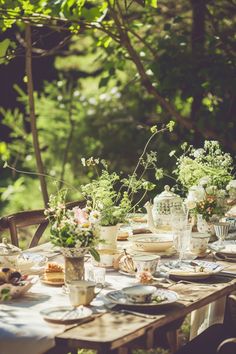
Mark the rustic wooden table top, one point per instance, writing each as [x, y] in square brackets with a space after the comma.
[114, 330]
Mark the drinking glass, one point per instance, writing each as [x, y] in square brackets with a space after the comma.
[99, 275]
[221, 230]
[182, 239]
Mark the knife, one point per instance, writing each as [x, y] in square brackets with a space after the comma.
[139, 314]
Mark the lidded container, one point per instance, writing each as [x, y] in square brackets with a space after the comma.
[8, 254]
[165, 205]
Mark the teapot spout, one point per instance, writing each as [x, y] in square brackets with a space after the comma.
[150, 221]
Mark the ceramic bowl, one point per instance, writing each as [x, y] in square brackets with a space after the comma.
[153, 242]
[139, 293]
[146, 263]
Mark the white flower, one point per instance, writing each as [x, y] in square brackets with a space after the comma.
[94, 216]
[198, 152]
[190, 204]
[204, 181]
[231, 184]
[83, 161]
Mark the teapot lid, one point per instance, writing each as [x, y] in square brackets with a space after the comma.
[167, 195]
[8, 249]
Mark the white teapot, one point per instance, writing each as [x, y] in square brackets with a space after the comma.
[164, 206]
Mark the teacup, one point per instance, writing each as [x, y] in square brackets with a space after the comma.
[139, 293]
[146, 263]
[81, 292]
[106, 258]
[199, 243]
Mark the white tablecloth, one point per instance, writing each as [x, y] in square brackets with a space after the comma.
[22, 328]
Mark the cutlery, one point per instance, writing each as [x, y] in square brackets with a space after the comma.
[139, 314]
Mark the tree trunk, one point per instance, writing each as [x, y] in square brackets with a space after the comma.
[30, 90]
[198, 51]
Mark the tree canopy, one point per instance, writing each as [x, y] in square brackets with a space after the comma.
[123, 66]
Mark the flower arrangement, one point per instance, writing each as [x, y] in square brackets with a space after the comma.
[74, 228]
[207, 176]
[112, 194]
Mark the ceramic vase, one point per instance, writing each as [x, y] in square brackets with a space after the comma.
[74, 263]
[108, 237]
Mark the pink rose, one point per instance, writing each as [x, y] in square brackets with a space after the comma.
[80, 215]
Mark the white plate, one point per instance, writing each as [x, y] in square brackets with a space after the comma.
[228, 250]
[66, 314]
[50, 282]
[191, 270]
[118, 297]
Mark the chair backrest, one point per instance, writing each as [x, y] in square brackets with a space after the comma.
[29, 218]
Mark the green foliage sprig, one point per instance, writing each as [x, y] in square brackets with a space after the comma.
[112, 194]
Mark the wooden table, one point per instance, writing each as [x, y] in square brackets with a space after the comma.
[119, 331]
[115, 332]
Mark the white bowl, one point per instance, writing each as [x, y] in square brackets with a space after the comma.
[139, 293]
[153, 242]
[146, 263]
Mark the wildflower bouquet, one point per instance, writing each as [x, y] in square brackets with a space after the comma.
[207, 176]
[71, 228]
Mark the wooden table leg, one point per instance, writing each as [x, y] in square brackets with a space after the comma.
[172, 337]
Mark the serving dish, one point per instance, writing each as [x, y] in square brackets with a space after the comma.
[118, 297]
[152, 242]
[66, 314]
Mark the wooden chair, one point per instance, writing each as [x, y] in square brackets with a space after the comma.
[29, 218]
[228, 346]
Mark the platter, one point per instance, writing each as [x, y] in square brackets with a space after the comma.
[191, 270]
[118, 297]
[66, 315]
